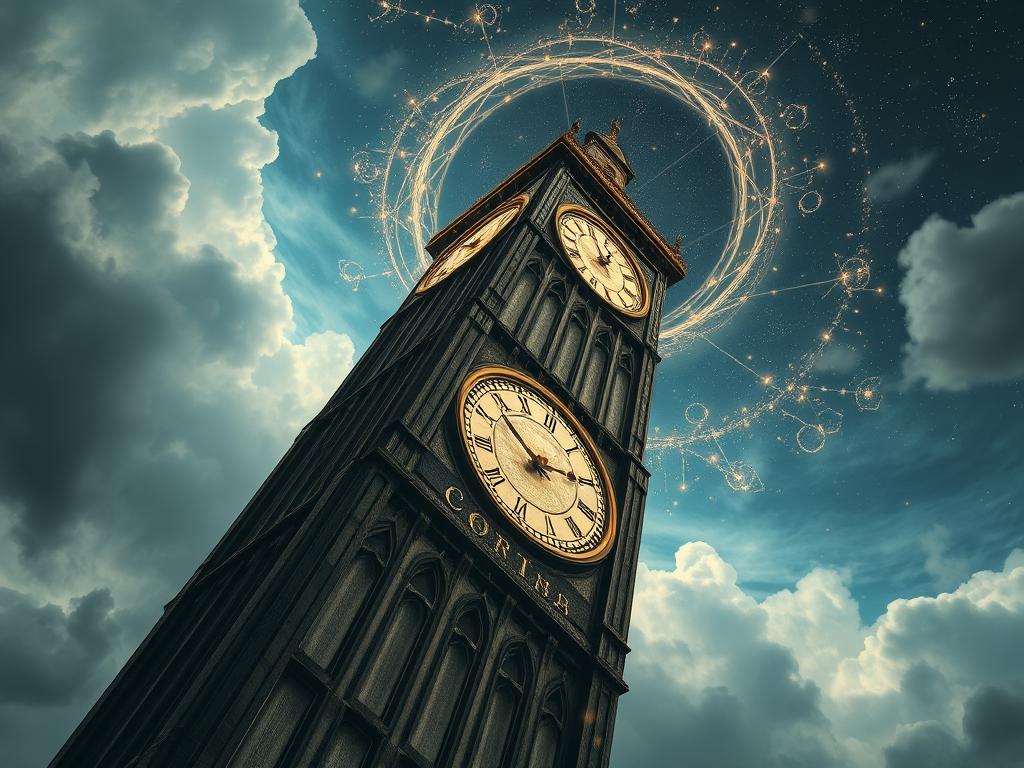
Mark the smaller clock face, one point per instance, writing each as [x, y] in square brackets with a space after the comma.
[472, 242]
[603, 260]
[537, 463]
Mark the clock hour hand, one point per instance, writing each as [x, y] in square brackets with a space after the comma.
[570, 474]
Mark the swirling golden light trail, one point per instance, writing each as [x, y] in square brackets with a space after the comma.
[409, 213]
[410, 178]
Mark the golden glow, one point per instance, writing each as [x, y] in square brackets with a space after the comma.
[411, 188]
[745, 120]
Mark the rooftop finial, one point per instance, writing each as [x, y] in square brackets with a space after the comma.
[576, 125]
[613, 132]
[677, 246]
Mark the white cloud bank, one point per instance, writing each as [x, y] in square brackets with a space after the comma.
[962, 295]
[720, 680]
[150, 377]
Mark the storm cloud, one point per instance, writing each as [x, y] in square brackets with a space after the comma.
[151, 377]
[962, 297]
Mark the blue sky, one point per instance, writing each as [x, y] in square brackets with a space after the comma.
[178, 183]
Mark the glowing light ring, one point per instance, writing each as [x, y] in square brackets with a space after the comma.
[810, 438]
[809, 202]
[795, 117]
[696, 413]
[352, 272]
[868, 394]
[743, 478]
[364, 168]
[427, 140]
[856, 274]
[412, 178]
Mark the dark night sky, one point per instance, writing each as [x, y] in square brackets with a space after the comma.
[174, 313]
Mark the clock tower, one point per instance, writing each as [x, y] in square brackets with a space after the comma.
[440, 570]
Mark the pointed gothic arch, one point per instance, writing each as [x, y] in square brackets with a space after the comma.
[502, 718]
[403, 635]
[349, 601]
[443, 707]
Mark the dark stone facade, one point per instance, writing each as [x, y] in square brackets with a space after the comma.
[368, 608]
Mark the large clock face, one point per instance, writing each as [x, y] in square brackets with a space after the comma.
[602, 259]
[472, 242]
[537, 463]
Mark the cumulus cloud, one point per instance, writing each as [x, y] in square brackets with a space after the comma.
[961, 293]
[797, 679]
[152, 379]
[895, 180]
[68, 66]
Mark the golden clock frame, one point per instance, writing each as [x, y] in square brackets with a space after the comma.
[519, 201]
[608, 538]
[620, 241]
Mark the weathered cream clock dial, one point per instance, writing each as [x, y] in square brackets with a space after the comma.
[602, 259]
[537, 463]
[472, 242]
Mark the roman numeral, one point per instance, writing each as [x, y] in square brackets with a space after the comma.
[550, 423]
[586, 481]
[593, 283]
[484, 442]
[485, 414]
[499, 401]
[524, 405]
[520, 508]
[628, 276]
[573, 527]
[550, 528]
[586, 510]
[494, 476]
[575, 447]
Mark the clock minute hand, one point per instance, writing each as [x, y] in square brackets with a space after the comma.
[542, 468]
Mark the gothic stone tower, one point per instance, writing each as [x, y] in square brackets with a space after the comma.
[440, 569]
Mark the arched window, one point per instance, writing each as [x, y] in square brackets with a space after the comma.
[401, 640]
[548, 737]
[597, 371]
[572, 342]
[524, 290]
[448, 686]
[348, 601]
[496, 746]
[618, 399]
[544, 318]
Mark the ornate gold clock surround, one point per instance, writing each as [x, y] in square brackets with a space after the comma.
[607, 535]
[432, 277]
[606, 228]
